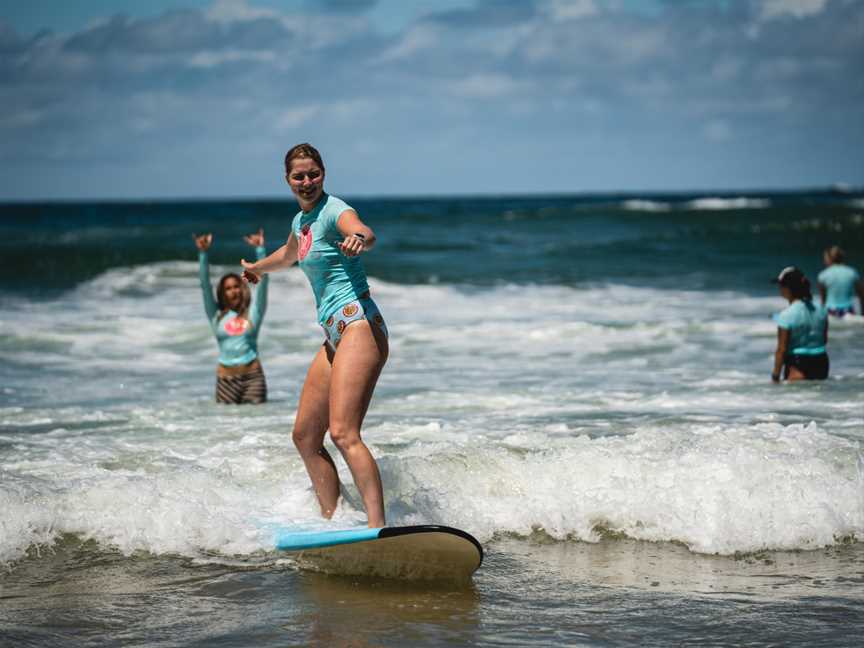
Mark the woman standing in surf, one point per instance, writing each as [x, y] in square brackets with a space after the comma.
[326, 239]
[802, 331]
[235, 317]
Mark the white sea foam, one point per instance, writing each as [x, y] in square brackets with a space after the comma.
[708, 203]
[718, 489]
[647, 205]
[501, 410]
[25, 522]
[728, 203]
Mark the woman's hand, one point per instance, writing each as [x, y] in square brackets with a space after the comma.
[203, 242]
[250, 274]
[358, 237]
[353, 245]
[256, 239]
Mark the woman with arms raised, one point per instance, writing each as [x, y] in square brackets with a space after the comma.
[235, 317]
[326, 239]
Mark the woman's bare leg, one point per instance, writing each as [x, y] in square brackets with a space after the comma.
[795, 374]
[356, 366]
[310, 426]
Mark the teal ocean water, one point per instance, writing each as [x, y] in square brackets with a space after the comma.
[581, 382]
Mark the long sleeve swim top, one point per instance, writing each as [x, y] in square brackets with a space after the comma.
[237, 337]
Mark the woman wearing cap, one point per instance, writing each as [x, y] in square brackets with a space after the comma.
[326, 239]
[802, 331]
[838, 284]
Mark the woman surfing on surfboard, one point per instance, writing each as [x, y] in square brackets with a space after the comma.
[327, 238]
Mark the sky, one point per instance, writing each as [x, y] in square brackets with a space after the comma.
[201, 98]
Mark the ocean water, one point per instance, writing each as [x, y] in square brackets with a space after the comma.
[581, 382]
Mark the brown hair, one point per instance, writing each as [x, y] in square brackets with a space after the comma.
[835, 254]
[797, 284]
[304, 150]
[220, 294]
[801, 289]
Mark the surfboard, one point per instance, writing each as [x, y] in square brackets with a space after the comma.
[424, 552]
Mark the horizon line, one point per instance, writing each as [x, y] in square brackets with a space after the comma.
[839, 189]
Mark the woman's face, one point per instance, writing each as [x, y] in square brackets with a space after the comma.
[233, 292]
[787, 294]
[306, 180]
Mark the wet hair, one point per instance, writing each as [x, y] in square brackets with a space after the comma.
[245, 299]
[801, 289]
[835, 254]
[304, 150]
[792, 278]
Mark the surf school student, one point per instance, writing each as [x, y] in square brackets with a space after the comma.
[235, 317]
[838, 284]
[326, 239]
[802, 331]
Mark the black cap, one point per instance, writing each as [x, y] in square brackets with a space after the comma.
[789, 276]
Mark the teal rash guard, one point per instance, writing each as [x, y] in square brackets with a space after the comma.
[336, 279]
[839, 281]
[237, 339]
[806, 324]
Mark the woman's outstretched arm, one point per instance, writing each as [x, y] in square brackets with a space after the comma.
[359, 237]
[284, 257]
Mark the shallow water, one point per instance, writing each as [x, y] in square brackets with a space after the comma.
[529, 592]
[612, 439]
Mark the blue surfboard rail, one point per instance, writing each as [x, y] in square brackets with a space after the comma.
[290, 540]
[422, 552]
[287, 539]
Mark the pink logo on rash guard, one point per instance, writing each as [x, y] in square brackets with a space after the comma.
[305, 242]
[236, 326]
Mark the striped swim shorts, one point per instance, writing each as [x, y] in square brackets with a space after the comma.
[246, 388]
[362, 308]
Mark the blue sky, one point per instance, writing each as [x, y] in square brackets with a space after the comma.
[201, 98]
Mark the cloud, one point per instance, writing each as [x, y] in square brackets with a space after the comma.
[485, 86]
[294, 118]
[229, 11]
[23, 118]
[342, 6]
[561, 10]
[495, 76]
[415, 40]
[486, 14]
[182, 31]
[209, 59]
[333, 112]
[771, 9]
[10, 41]
[718, 131]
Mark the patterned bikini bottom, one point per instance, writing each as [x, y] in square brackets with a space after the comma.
[362, 308]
